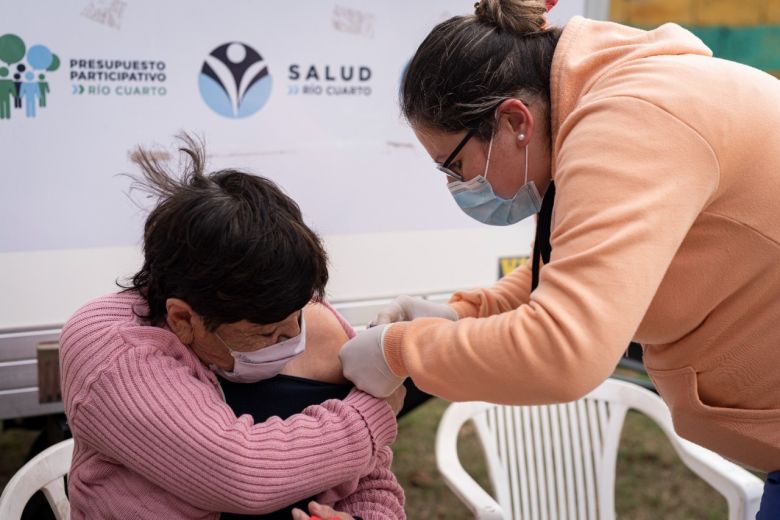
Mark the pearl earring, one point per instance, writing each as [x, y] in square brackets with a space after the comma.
[520, 137]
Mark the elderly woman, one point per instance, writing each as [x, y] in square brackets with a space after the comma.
[181, 390]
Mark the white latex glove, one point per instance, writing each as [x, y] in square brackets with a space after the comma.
[363, 362]
[407, 308]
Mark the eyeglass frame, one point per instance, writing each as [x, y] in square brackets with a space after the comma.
[445, 166]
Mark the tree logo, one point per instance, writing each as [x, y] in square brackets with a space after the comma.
[24, 83]
[234, 80]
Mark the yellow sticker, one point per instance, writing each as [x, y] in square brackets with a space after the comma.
[507, 264]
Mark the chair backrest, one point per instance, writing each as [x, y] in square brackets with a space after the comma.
[554, 461]
[44, 472]
[558, 461]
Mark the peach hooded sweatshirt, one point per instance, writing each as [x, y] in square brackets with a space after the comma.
[666, 230]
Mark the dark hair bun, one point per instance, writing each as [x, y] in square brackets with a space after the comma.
[517, 16]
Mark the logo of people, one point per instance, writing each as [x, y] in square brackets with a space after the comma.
[23, 75]
[234, 81]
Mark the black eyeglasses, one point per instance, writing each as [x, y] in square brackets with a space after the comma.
[445, 166]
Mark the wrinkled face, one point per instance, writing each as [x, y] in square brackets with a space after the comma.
[213, 347]
[244, 336]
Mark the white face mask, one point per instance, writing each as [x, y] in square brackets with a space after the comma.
[266, 362]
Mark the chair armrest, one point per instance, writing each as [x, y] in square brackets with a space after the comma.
[741, 488]
[455, 476]
[469, 492]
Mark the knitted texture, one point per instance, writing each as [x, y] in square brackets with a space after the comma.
[153, 438]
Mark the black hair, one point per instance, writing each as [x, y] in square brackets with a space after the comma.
[467, 65]
[229, 243]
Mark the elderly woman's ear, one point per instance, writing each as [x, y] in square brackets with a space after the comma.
[180, 317]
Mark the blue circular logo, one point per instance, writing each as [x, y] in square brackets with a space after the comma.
[234, 80]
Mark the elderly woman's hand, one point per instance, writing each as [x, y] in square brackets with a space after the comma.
[320, 512]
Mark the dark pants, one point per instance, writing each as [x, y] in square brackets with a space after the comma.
[770, 501]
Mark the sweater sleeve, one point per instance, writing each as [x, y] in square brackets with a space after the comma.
[507, 294]
[148, 412]
[631, 180]
[378, 495]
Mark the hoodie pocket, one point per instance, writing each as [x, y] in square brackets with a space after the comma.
[750, 437]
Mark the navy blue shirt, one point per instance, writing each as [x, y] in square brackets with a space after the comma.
[280, 396]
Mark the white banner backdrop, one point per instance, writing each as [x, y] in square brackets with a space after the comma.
[130, 73]
[323, 122]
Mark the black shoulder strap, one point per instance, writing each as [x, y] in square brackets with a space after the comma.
[542, 247]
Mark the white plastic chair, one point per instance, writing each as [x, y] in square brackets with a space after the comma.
[558, 461]
[45, 472]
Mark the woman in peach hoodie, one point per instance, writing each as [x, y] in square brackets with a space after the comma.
[655, 170]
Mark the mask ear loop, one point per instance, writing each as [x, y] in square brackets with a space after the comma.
[525, 152]
[224, 342]
[490, 146]
[490, 149]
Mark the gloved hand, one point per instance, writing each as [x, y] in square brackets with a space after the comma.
[363, 362]
[407, 308]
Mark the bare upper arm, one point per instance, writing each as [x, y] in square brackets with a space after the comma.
[324, 337]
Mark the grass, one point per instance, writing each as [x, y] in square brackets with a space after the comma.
[15, 443]
[414, 463]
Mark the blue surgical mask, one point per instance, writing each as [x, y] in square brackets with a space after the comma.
[477, 199]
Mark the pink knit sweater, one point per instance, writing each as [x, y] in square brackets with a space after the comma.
[154, 439]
